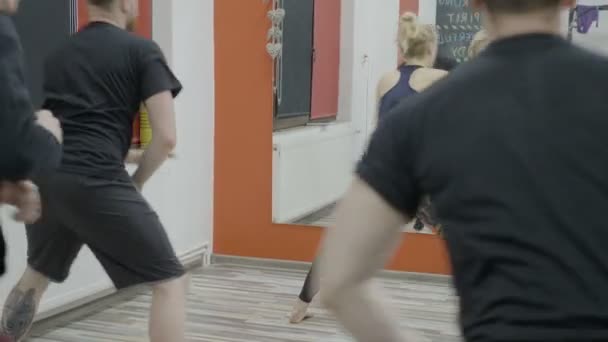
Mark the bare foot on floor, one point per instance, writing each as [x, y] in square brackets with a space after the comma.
[299, 312]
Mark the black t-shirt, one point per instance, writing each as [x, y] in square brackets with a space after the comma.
[95, 84]
[445, 63]
[26, 148]
[512, 148]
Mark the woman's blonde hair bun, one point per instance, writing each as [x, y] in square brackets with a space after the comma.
[414, 38]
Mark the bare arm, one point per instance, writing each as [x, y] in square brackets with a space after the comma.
[368, 228]
[162, 121]
[366, 233]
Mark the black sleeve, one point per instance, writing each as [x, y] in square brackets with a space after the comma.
[155, 74]
[25, 146]
[387, 165]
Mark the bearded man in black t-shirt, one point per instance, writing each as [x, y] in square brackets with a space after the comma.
[511, 148]
[94, 83]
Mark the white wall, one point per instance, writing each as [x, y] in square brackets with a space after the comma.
[189, 186]
[379, 27]
[182, 191]
[369, 34]
[369, 49]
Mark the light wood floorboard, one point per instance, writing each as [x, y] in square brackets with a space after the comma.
[238, 303]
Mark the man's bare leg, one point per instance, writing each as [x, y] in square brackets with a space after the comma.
[168, 311]
[21, 305]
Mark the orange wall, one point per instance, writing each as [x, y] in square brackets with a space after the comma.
[243, 153]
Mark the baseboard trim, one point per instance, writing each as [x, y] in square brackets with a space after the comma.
[299, 265]
[194, 258]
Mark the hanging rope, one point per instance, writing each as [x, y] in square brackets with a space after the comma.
[275, 33]
[274, 47]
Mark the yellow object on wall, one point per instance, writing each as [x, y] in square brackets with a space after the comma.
[145, 130]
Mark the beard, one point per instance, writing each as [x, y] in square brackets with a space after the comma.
[131, 24]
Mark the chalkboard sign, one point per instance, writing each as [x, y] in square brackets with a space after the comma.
[457, 23]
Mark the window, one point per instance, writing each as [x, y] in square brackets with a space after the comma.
[307, 72]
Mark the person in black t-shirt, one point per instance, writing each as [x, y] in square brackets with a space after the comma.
[445, 63]
[511, 148]
[30, 143]
[95, 83]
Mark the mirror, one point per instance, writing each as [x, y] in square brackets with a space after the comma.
[325, 84]
[325, 89]
[314, 146]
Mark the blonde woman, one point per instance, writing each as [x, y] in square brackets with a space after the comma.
[418, 45]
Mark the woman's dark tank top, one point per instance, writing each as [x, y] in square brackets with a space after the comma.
[393, 97]
[400, 91]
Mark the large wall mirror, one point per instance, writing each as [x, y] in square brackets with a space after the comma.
[313, 142]
[332, 57]
[325, 79]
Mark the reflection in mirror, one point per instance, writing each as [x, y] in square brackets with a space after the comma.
[313, 146]
[324, 163]
[316, 142]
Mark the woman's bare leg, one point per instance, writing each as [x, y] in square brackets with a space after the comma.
[309, 290]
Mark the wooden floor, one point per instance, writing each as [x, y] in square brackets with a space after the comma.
[234, 303]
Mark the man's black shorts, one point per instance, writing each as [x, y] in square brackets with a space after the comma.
[112, 218]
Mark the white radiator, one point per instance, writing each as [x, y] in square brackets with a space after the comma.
[312, 167]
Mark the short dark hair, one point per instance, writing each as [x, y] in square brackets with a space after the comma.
[519, 6]
[101, 3]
